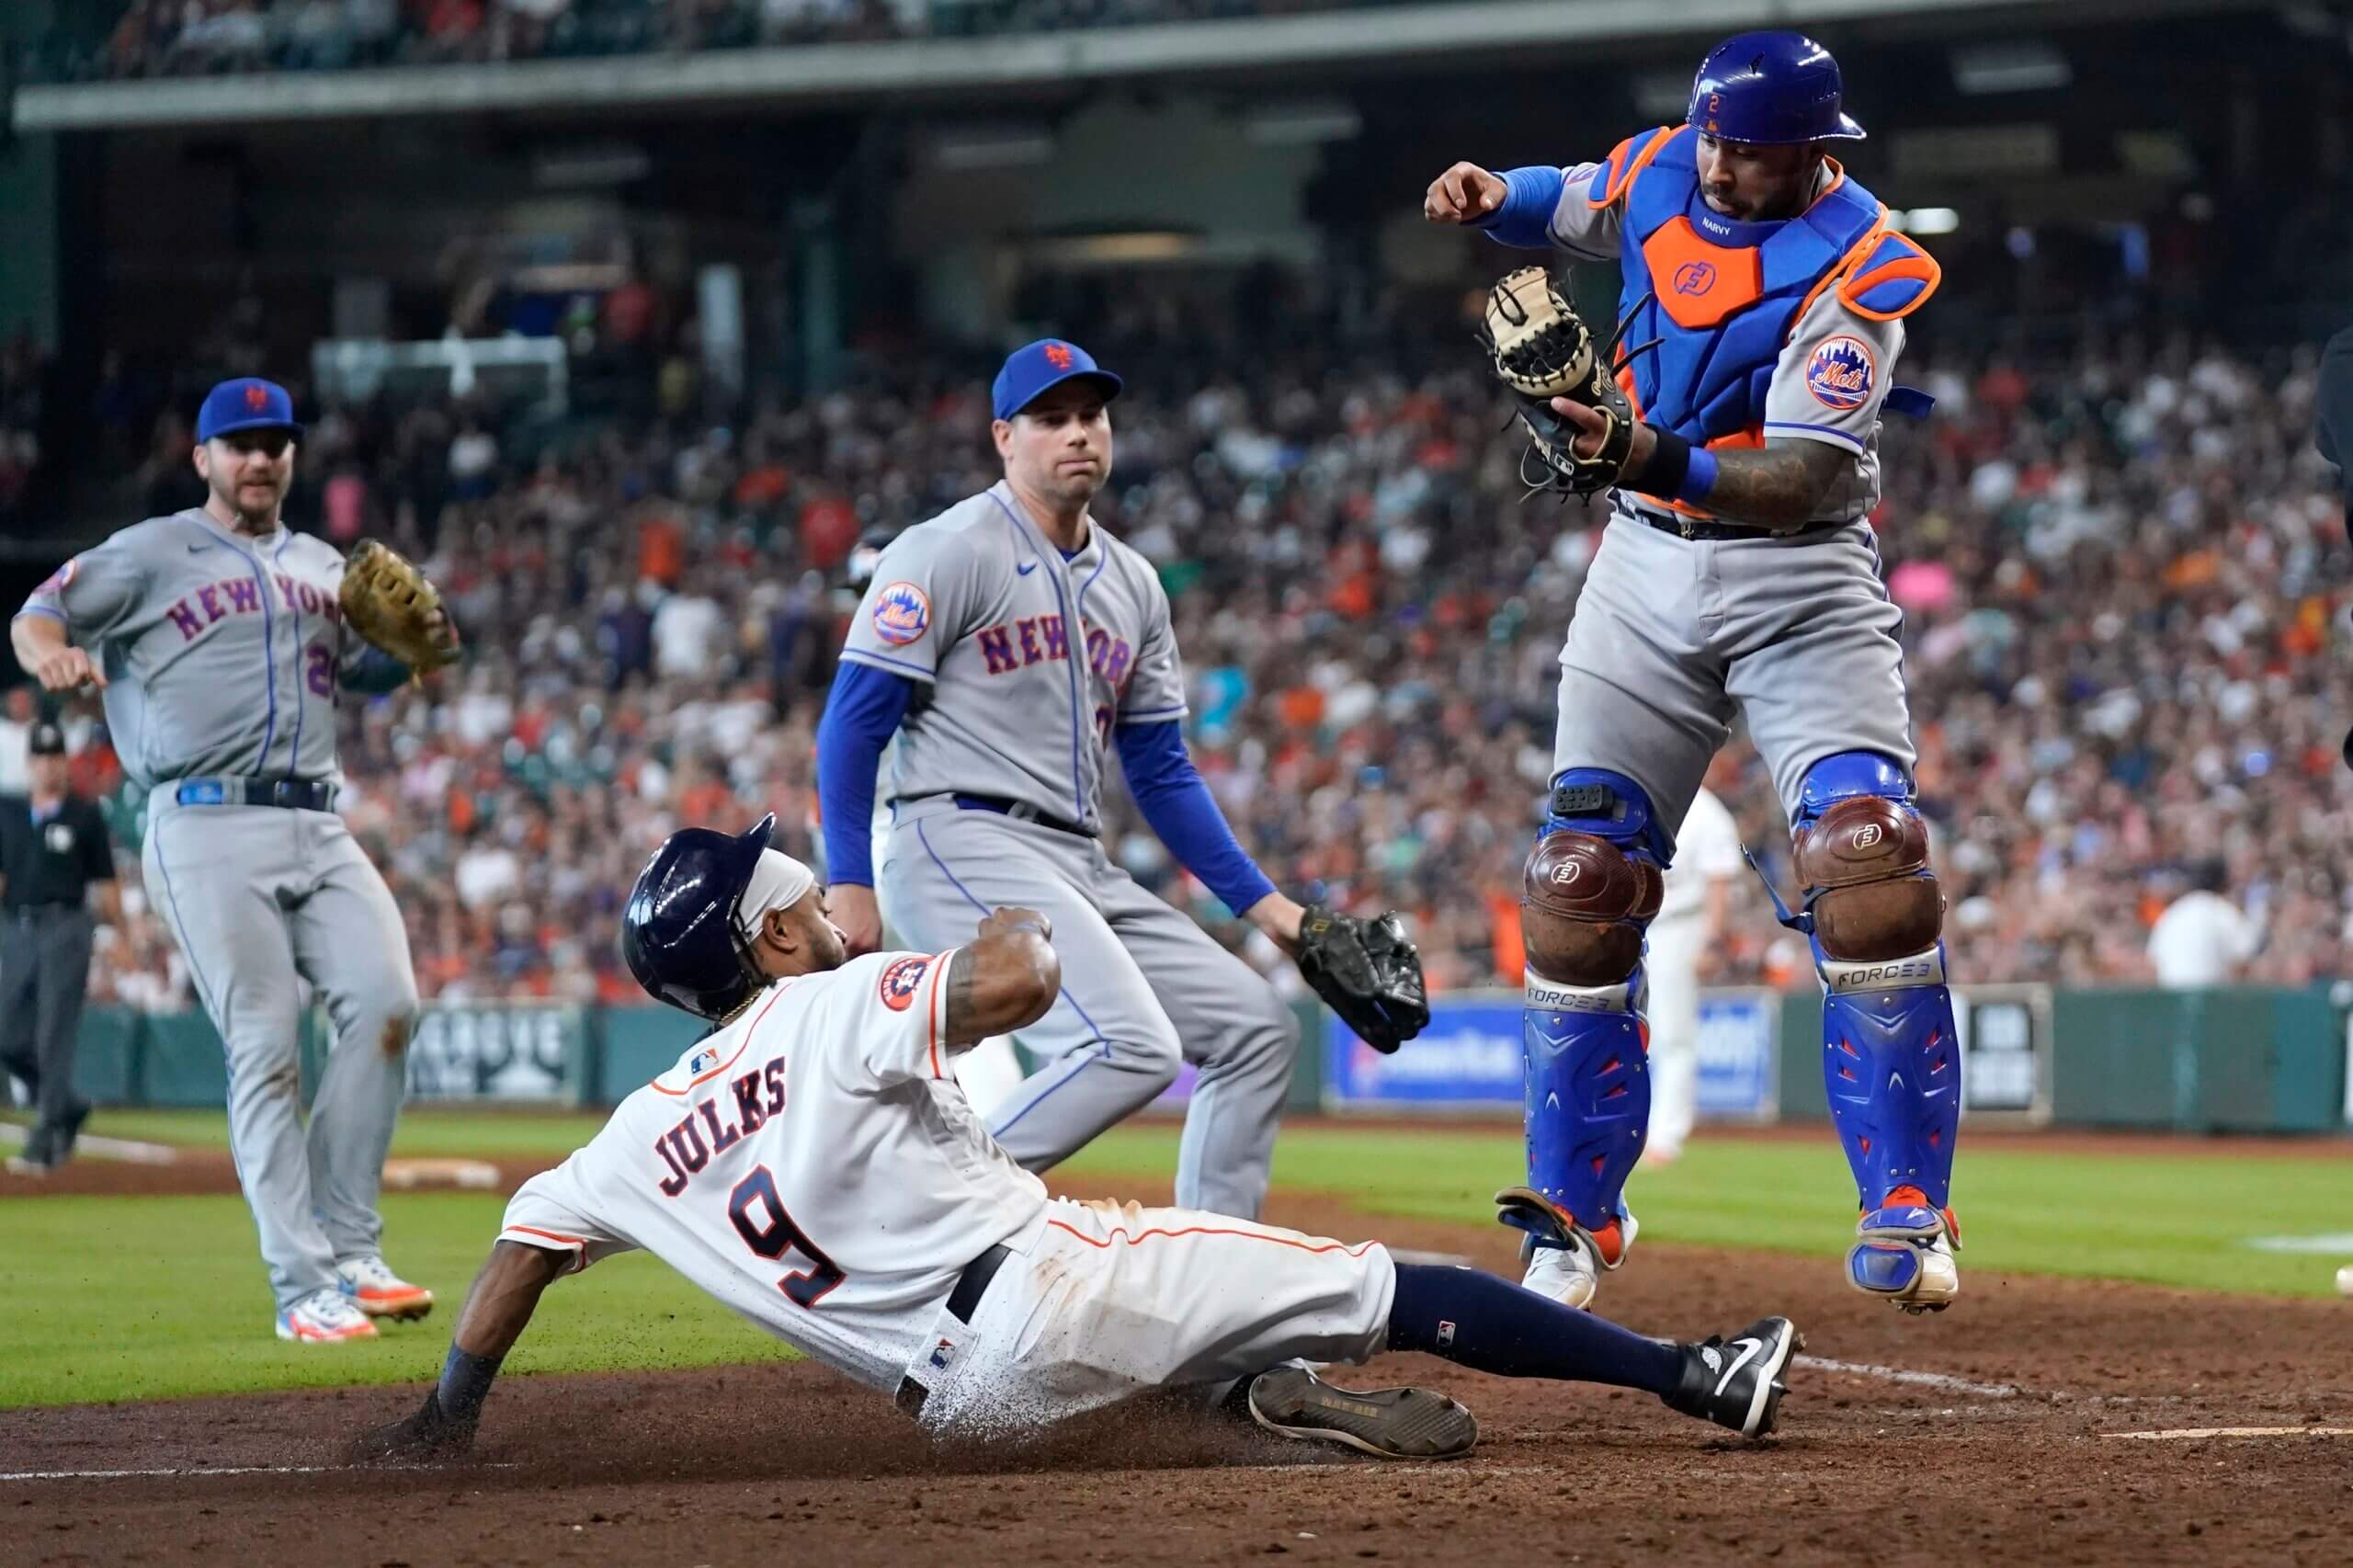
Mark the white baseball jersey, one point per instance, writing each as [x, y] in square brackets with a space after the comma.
[814, 1166]
[1029, 659]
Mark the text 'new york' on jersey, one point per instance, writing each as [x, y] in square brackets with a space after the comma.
[1030, 659]
[224, 651]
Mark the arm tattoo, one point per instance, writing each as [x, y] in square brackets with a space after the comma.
[1780, 485]
[960, 991]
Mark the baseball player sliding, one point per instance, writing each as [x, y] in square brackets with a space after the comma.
[812, 1163]
[1764, 304]
[1011, 644]
[221, 640]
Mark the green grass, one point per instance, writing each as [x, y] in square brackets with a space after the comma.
[109, 1298]
[2164, 1219]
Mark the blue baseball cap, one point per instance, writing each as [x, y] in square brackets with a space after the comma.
[248, 402]
[1034, 369]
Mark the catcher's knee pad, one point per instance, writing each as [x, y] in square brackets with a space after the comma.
[1889, 1061]
[1592, 884]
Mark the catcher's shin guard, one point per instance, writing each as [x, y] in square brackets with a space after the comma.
[1891, 1064]
[1592, 884]
[1892, 1070]
[1587, 1094]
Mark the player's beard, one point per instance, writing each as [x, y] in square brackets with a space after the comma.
[258, 515]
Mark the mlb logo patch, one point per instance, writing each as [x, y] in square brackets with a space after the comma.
[901, 613]
[943, 1353]
[1841, 372]
[700, 1059]
[899, 983]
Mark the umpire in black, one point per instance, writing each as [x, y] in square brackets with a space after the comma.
[53, 846]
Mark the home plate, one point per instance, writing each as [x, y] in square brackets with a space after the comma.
[407, 1174]
[2191, 1432]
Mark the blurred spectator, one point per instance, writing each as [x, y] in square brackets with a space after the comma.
[2202, 939]
[15, 729]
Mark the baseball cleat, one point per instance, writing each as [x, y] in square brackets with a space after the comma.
[323, 1317]
[1393, 1424]
[1905, 1255]
[1571, 1274]
[1738, 1384]
[374, 1289]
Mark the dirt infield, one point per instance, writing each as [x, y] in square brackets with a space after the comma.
[2006, 1451]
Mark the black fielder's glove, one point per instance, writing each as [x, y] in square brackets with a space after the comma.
[1543, 349]
[1368, 971]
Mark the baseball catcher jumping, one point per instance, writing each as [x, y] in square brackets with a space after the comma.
[812, 1164]
[1765, 294]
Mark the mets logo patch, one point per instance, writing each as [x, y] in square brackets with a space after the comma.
[899, 983]
[902, 614]
[1841, 372]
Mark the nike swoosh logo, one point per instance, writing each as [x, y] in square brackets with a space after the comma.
[1751, 1348]
[1024, 570]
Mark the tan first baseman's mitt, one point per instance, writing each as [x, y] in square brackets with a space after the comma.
[389, 602]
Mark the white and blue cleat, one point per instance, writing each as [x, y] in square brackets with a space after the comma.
[1904, 1254]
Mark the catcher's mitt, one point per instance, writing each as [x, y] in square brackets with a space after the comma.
[389, 602]
[1543, 349]
[1368, 971]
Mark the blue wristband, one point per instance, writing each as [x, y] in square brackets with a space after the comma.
[1699, 478]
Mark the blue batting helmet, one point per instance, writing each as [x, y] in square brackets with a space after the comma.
[1770, 88]
[678, 931]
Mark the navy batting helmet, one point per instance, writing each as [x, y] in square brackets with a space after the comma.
[1770, 88]
[679, 935]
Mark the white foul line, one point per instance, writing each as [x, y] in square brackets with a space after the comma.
[1898, 1375]
[125, 1149]
[2188, 1431]
[225, 1469]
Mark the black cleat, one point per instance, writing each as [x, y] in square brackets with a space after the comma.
[1738, 1384]
[1395, 1424]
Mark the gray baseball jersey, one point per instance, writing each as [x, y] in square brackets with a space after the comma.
[1031, 661]
[221, 653]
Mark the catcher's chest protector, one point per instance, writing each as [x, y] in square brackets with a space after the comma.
[1724, 296]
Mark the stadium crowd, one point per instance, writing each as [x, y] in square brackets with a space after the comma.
[198, 38]
[2118, 572]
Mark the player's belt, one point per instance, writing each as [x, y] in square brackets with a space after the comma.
[294, 795]
[963, 1302]
[1021, 811]
[1687, 528]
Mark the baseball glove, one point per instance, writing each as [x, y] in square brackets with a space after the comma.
[1368, 971]
[1543, 349]
[389, 602]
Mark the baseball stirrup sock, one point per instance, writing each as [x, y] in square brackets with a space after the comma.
[1493, 1325]
[465, 1383]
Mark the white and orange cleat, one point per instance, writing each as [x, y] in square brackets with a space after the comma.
[370, 1285]
[323, 1317]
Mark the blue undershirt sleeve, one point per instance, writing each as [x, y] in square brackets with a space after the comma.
[1524, 219]
[1181, 810]
[862, 712]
